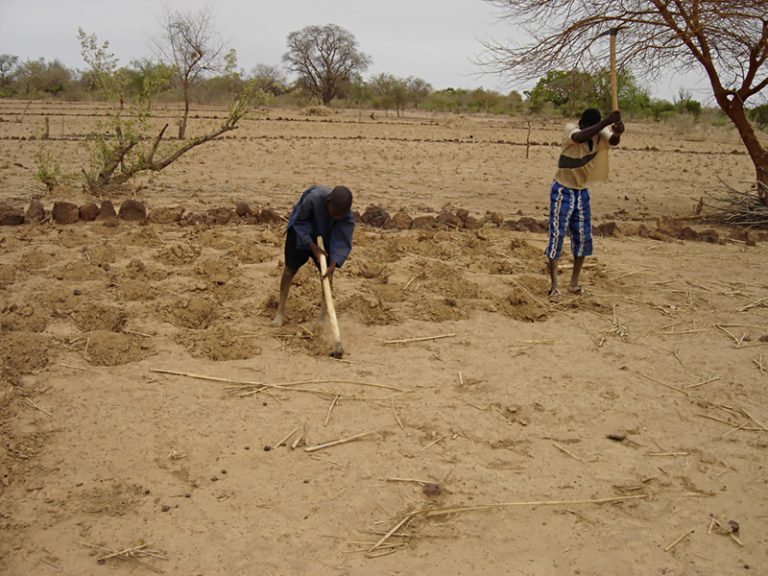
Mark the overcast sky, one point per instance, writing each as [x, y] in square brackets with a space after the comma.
[436, 40]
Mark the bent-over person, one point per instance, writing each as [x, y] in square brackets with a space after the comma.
[320, 212]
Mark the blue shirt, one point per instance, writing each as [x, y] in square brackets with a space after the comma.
[310, 218]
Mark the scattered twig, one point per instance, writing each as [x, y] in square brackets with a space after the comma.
[430, 512]
[394, 411]
[571, 454]
[530, 295]
[753, 304]
[287, 437]
[432, 443]
[414, 480]
[339, 441]
[422, 339]
[678, 540]
[330, 409]
[32, 403]
[729, 334]
[670, 386]
[707, 381]
[760, 363]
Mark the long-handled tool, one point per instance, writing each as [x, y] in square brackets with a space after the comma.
[614, 77]
[338, 350]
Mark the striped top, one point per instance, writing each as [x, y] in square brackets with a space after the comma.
[580, 164]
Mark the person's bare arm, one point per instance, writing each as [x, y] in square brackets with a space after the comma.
[584, 135]
[618, 130]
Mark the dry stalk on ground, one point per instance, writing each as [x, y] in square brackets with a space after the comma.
[733, 206]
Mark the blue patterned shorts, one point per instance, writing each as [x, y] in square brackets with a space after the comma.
[569, 210]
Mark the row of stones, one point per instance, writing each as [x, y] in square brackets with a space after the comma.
[131, 211]
[136, 211]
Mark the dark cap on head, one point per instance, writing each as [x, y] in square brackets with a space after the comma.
[589, 117]
[341, 199]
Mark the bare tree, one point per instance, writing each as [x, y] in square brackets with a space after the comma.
[192, 47]
[326, 58]
[727, 39]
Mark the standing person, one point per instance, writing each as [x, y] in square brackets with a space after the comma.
[583, 159]
[322, 212]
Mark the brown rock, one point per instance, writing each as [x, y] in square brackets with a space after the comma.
[242, 209]
[269, 216]
[220, 216]
[608, 229]
[400, 221]
[35, 212]
[669, 226]
[133, 211]
[495, 218]
[449, 219]
[166, 215]
[472, 223]
[107, 211]
[10, 216]
[528, 224]
[710, 236]
[65, 213]
[751, 239]
[737, 234]
[424, 223]
[88, 212]
[192, 219]
[658, 235]
[375, 216]
[689, 233]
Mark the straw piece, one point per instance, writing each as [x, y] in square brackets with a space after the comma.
[339, 441]
[330, 409]
[399, 422]
[678, 540]
[288, 436]
[32, 403]
[753, 304]
[422, 339]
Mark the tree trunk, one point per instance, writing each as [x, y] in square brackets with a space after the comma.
[183, 123]
[758, 154]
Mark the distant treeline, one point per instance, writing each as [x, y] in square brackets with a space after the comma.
[558, 92]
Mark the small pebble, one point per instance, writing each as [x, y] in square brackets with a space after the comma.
[267, 448]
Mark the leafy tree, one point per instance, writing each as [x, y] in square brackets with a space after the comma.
[418, 90]
[132, 151]
[326, 58]
[149, 79]
[8, 70]
[725, 39]
[38, 77]
[389, 91]
[192, 48]
[759, 115]
[568, 92]
[269, 79]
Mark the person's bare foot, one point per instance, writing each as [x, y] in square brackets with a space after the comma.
[578, 291]
[279, 319]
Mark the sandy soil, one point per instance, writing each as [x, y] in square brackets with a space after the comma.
[619, 432]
